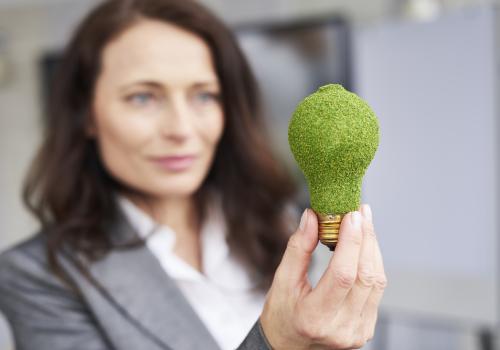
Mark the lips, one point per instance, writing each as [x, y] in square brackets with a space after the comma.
[174, 163]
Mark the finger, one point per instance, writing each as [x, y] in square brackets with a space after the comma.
[340, 275]
[358, 295]
[373, 303]
[380, 278]
[297, 257]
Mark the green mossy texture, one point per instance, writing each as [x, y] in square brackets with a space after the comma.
[333, 135]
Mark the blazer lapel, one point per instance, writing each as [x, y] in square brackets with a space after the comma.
[134, 278]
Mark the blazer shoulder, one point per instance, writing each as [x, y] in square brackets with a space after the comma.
[24, 256]
[24, 269]
[28, 285]
[43, 312]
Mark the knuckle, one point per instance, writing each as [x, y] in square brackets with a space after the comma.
[358, 344]
[312, 331]
[294, 246]
[320, 334]
[293, 242]
[304, 332]
[343, 337]
[345, 279]
[366, 277]
[369, 231]
[339, 343]
[342, 341]
[381, 282]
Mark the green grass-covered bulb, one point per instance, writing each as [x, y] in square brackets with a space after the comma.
[333, 135]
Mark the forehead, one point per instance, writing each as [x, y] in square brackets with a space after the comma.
[156, 49]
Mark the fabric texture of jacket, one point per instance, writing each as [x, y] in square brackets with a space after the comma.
[129, 302]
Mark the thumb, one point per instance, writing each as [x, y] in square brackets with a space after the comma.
[295, 261]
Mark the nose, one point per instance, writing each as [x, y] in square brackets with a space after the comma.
[176, 123]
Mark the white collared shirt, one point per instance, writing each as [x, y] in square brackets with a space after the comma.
[222, 295]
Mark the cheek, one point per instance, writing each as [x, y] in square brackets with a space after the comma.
[211, 129]
[121, 139]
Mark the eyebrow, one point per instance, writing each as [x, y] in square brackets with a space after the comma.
[149, 83]
[155, 84]
[206, 83]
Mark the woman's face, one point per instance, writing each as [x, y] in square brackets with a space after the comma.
[157, 111]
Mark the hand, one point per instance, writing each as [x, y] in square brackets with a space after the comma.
[341, 311]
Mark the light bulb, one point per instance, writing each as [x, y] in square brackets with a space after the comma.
[333, 135]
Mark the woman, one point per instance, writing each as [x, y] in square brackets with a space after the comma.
[164, 217]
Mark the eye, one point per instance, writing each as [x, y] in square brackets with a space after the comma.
[207, 96]
[141, 98]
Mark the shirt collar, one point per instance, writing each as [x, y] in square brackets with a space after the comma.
[140, 221]
[219, 266]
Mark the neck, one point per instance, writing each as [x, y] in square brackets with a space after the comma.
[178, 213]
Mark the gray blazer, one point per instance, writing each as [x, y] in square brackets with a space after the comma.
[130, 302]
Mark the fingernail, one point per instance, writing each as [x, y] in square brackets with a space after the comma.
[356, 219]
[367, 211]
[303, 220]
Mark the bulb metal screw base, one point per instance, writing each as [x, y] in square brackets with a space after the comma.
[329, 227]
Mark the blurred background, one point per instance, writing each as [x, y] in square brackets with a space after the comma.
[428, 68]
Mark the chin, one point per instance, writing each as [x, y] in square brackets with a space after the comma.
[178, 185]
[176, 188]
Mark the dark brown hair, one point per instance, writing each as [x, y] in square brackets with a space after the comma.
[72, 195]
